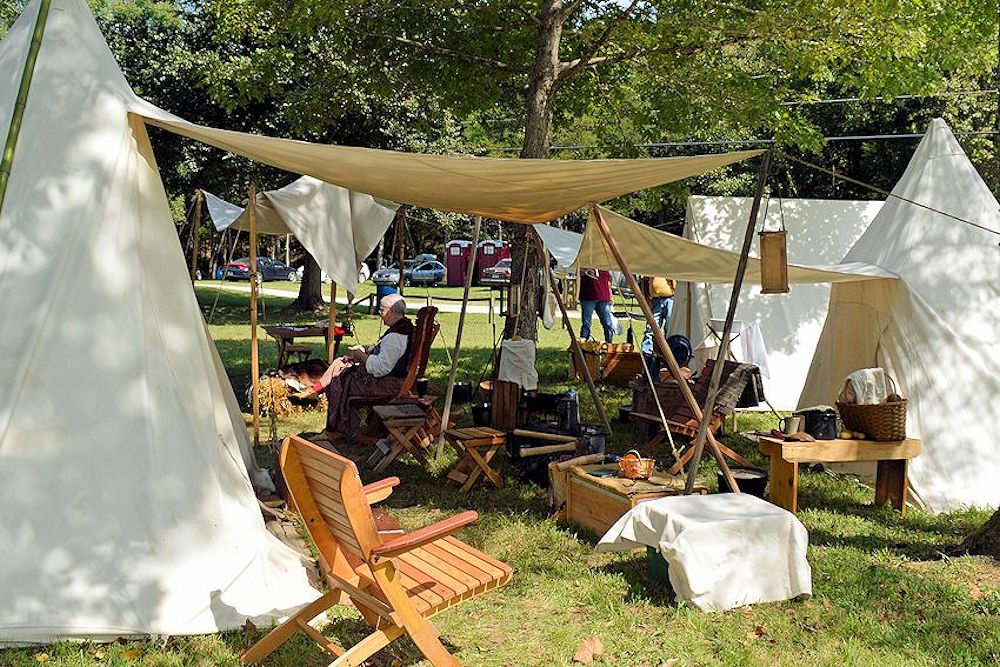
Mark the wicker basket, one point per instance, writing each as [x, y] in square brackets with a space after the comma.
[633, 466]
[881, 421]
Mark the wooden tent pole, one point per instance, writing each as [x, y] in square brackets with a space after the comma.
[720, 360]
[21, 101]
[401, 243]
[330, 343]
[574, 343]
[254, 358]
[449, 392]
[661, 341]
[195, 233]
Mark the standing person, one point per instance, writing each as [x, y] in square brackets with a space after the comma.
[595, 294]
[660, 292]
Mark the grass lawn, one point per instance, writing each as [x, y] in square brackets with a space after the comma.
[884, 594]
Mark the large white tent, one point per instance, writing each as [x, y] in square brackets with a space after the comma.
[937, 330]
[338, 227]
[128, 506]
[819, 232]
[124, 457]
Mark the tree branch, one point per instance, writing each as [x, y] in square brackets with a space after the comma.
[568, 10]
[453, 53]
[574, 65]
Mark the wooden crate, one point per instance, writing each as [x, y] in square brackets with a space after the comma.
[668, 392]
[597, 503]
[608, 362]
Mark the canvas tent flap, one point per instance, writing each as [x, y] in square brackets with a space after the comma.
[562, 244]
[338, 227]
[128, 505]
[514, 189]
[938, 330]
[819, 232]
[649, 252]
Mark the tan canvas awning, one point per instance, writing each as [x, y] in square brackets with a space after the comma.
[651, 252]
[506, 189]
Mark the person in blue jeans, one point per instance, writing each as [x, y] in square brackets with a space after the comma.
[595, 294]
[661, 301]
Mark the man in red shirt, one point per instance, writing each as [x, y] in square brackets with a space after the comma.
[595, 294]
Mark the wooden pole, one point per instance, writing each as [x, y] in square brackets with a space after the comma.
[401, 242]
[195, 233]
[21, 101]
[254, 358]
[720, 360]
[449, 392]
[574, 343]
[661, 341]
[330, 343]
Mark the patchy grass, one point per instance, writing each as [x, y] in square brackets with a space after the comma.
[883, 592]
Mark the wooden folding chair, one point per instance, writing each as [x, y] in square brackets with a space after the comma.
[397, 582]
[682, 424]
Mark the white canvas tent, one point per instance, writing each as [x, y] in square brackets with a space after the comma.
[130, 509]
[819, 232]
[338, 227]
[937, 330]
[128, 506]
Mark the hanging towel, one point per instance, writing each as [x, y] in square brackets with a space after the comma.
[754, 351]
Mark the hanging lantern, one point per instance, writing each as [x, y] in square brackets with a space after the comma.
[774, 257]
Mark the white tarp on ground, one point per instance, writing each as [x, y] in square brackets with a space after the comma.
[819, 232]
[128, 509]
[937, 331]
[338, 227]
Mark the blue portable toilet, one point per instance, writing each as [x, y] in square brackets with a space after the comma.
[381, 291]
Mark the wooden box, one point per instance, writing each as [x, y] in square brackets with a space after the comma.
[669, 393]
[597, 503]
[608, 362]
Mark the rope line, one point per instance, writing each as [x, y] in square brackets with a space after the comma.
[886, 193]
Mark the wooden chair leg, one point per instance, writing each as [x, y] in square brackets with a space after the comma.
[367, 647]
[278, 636]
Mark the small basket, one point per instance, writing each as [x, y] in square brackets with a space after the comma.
[633, 466]
[882, 421]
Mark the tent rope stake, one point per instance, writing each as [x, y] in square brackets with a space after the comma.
[22, 98]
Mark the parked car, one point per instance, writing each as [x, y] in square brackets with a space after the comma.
[414, 273]
[498, 274]
[269, 269]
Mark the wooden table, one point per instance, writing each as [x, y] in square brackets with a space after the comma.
[598, 502]
[890, 480]
[285, 334]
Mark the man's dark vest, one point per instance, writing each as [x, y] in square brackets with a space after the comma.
[404, 327]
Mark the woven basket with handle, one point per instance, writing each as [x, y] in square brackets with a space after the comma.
[881, 421]
[633, 466]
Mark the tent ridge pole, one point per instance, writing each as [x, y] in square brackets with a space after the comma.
[720, 360]
[661, 341]
[21, 102]
[196, 232]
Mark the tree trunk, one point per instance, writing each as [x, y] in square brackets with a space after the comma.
[537, 128]
[310, 297]
[985, 541]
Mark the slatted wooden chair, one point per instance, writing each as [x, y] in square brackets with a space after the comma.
[683, 425]
[397, 582]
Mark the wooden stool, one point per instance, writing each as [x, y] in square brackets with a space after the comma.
[475, 447]
[409, 431]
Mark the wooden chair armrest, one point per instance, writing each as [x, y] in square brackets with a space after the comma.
[380, 490]
[417, 538]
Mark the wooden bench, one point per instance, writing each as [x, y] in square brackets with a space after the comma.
[890, 479]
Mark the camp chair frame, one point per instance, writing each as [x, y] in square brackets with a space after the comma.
[396, 583]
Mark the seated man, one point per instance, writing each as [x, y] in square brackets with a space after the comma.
[377, 373]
